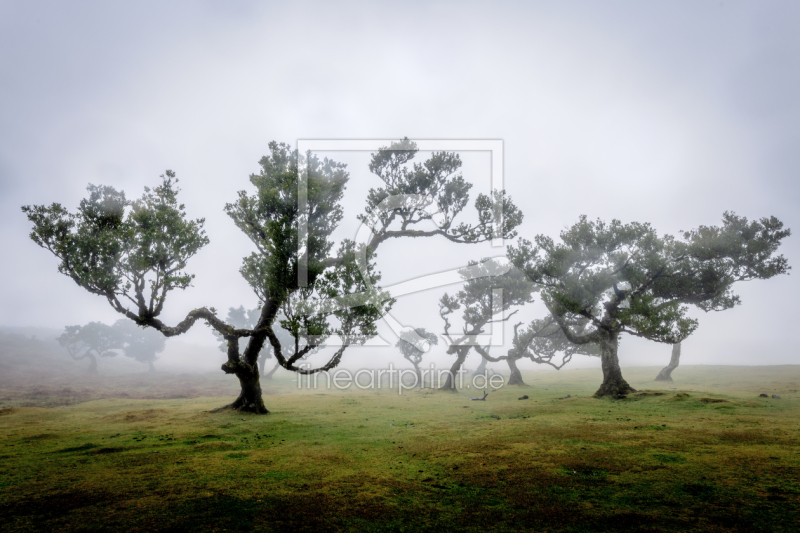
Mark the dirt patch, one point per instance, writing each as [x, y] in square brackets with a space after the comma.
[713, 400]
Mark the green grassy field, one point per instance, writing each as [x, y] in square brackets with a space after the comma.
[708, 455]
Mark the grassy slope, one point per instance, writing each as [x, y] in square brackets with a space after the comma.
[719, 459]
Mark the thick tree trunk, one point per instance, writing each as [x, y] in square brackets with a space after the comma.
[246, 366]
[614, 384]
[92, 364]
[249, 400]
[481, 368]
[666, 372]
[151, 368]
[516, 376]
[450, 381]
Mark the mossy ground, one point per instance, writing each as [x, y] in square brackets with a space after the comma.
[708, 455]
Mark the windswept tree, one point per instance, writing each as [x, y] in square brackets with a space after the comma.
[491, 291]
[91, 341]
[674, 361]
[139, 343]
[624, 278]
[414, 344]
[134, 254]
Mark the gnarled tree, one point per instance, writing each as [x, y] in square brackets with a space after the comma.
[492, 289]
[541, 341]
[674, 361]
[413, 344]
[135, 253]
[247, 319]
[91, 341]
[624, 278]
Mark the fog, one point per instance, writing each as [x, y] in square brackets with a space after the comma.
[660, 112]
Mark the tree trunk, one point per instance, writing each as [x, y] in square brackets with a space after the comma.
[151, 368]
[249, 400]
[481, 367]
[450, 382]
[269, 374]
[419, 375]
[614, 384]
[92, 364]
[516, 377]
[666, 372]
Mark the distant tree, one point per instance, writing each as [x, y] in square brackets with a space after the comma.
[138, 343]
[542, 342]
[624, 278]
[413, 344]
[134, 254]
[91, 341]
[675, 360]
[480, 308]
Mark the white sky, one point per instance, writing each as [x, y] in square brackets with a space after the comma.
[661, 112]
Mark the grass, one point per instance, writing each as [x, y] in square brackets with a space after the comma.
[662, 460]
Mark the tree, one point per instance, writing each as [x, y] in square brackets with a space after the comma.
[248, 318]
[541, 342]
[134, 254]
[491, 290]
[140, 344]
[413, 344]
[91, 341]
[666, 372]
[624, 278]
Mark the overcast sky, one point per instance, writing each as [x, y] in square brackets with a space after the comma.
[661, 112]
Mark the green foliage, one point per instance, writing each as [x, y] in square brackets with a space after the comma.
[271, 218]
[95, 337]
[115, 248]
[412, 344]
[625, 278]
[476, 298]
[433, 191]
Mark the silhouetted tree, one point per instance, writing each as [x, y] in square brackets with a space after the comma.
[134, 254]
[139, 343]
[624, 278]
[666, 372]
[413, 344]
[542, 342]
[91, 341]
[480, 307]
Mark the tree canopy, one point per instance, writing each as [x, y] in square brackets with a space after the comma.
[91, 341]
[614, 278]
[414, 343]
